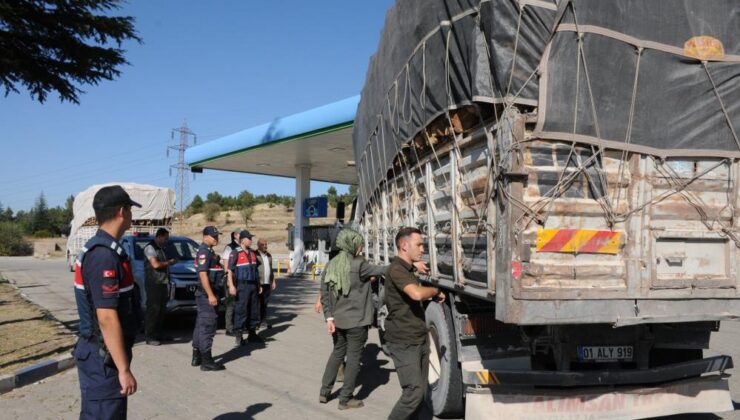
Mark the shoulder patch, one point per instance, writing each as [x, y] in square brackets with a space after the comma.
[109, 274]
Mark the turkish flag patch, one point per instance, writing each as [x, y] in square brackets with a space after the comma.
[109, 274]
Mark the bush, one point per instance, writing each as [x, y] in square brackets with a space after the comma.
[12, 242]
[247, 213]
[211, 210]
[42, 234]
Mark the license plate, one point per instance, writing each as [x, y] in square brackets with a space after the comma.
[192, 289]
[604, 353]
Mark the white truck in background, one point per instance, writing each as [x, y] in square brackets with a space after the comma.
[157, 210]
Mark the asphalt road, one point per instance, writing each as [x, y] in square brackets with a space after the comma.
[280, 379]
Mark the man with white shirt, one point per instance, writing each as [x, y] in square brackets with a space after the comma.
[267, 278]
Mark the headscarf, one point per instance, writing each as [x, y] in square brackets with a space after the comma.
[337, 273]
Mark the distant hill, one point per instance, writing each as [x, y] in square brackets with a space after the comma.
[267, 222]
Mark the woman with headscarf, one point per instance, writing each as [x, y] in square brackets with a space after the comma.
[346, 299]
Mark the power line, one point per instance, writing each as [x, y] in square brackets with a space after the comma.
[181, 183]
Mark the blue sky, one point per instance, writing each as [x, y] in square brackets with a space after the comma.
[220, 66]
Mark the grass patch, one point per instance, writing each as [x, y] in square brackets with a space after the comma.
[29, 334]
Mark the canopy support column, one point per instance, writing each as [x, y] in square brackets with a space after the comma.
[302, 192]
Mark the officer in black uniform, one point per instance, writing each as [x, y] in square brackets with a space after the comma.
[109, 310]
[211, 274]
[244, 283]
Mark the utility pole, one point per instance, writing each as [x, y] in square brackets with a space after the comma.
[180, 145]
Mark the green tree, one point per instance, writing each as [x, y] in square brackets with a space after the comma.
[196, 206]
[69, 207]
[7, 215]
[332, 198]
[11, 240]
[247, 213]
[59, 219]
[211, 210]
[288, 201]
[41, 219]
[214, 198]
[57, 45]
[246, 199]
[24, 220]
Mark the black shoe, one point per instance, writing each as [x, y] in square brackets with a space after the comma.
[253, 337]
[230, 333]
[239, 340]
[324, 398]
[196, 358]
[351, 403]
[209, 364]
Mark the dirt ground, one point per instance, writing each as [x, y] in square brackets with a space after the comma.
[27, 333]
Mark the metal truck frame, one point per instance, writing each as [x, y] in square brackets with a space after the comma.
[520, 307]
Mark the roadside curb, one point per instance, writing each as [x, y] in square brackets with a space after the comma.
[35, 373]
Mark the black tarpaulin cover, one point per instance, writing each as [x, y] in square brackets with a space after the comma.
[660, 77]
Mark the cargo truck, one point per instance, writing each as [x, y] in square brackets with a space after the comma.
[573, 166]
[157, 209]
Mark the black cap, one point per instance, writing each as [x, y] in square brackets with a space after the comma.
[245, 234]
[111, 197]
[211, 231]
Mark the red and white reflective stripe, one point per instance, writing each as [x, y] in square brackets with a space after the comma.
[243, 264]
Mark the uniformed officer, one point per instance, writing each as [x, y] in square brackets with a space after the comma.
[210, 273]
[245, 285]
[109, 311]
[228, 299]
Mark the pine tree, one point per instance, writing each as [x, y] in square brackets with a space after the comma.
[40, 220]
[57, 45]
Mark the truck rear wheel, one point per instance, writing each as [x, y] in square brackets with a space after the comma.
[445, 378]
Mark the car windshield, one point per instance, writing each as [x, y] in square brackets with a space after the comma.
[182, 249]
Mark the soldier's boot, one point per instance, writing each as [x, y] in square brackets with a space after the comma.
[238, 338]
[196, 358]
[209, 364]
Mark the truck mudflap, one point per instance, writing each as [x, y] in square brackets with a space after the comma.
[708, 394]
[474, 373]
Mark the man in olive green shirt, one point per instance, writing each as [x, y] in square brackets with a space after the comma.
[157, 277]
[405, 327]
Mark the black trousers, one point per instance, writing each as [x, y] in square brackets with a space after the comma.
[156, 307]
[412, 367]
[348, 342]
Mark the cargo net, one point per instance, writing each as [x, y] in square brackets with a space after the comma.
[458, 125]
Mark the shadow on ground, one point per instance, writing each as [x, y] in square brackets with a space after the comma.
[248, 413]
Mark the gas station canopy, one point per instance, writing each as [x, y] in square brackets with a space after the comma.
[320, 138]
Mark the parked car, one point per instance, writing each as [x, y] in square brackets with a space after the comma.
[183, 278]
